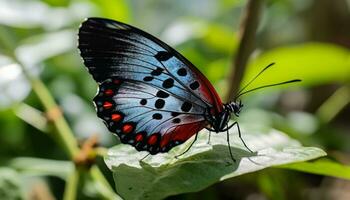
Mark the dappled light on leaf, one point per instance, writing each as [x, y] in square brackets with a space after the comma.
[204, 164]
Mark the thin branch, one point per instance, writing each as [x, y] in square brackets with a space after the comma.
[248, 27]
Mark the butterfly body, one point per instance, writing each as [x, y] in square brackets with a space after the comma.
[149, 95]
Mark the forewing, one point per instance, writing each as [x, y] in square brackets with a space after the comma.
[112, 49]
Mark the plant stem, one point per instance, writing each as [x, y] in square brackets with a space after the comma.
[248, 27]
[70, 191]
[102, 184]
[64, 132]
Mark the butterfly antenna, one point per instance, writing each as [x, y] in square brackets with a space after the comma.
[270, 85]
[241, 90]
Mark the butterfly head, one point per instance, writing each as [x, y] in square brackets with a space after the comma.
[219, 122]
[234, 107]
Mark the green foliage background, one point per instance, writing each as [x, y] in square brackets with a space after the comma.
[40, 65]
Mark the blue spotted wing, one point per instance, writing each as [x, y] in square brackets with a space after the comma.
[149, 95]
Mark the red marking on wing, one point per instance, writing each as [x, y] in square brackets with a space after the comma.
[153, 139]
[107, 105]
[109, 92]
[127, 128]
[139, 137]
[117, 81]
[116, 117]
[182, 132]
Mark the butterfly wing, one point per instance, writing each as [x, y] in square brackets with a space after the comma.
[118, 52]
[145, 116]
[111, 48]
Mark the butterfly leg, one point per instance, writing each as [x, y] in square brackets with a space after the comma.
[229, 146]
[195, 138]
[240, 137]
[145, 157]
[209, 137]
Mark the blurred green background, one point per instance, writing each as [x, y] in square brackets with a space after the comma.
[308, 39]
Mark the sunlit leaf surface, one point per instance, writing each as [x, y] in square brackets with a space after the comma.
[163, 175]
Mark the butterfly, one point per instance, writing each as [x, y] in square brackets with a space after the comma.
[149, 95]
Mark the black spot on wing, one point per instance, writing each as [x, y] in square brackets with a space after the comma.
[194, 85]
[163, 56]
[159, 103]
[186, 106]
[176, 120]
[162, 94]
[174, 114]
[157, 71]
[143, 102]
[168, 83]
[157, 116]
[148, 78]
[182, 72]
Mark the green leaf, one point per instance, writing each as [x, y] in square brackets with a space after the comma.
[42, 167]
[314, 63]
[162, 175]
[118, 10]
[322, 167]
[10, 184]
[221, 38]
